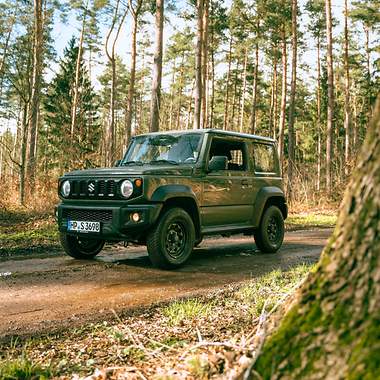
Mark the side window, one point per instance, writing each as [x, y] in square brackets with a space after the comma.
[264, 158]
[234, 151]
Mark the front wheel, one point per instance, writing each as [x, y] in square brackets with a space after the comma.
[270, 234]
[81, 247]
[171, 241]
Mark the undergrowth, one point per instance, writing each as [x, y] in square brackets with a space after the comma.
[201, 336]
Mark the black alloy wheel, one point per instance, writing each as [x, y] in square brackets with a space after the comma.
[171, 241]
[270, 234]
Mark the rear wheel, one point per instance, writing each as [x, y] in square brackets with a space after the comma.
[270, 234]
[81, 247]
[171, 241]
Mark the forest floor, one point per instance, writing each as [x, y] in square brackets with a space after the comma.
[212, 335]
[61, 317]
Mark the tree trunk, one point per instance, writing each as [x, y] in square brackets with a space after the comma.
[319, 124]
[198, 67]
[330, 100]
[24, 143]
[205, 32]
[255, 79]
[212, 98]
[281, 131]
[36, 88]
[347, 113]
[291, 132]
[226, 96]
[4, 55]
[331, 330]
[244, 89]
[135, 11]
[180, 90]
[77, 73]
[272, 128]
[157, 69]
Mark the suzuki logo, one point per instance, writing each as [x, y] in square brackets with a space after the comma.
[91, 187]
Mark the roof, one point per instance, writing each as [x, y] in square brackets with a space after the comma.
[214, 131]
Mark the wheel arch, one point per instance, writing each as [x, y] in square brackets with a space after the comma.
[269, 196]
[179, 196]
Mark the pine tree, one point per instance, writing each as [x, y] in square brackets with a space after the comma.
[59, 99]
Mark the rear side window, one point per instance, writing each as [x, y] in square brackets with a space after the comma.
[235, 151]
[264, 156]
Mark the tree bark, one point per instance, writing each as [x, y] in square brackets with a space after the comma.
[36, 89]
[255, 79]
[281, 131]
[330, 100]
[24, 144]
[198, 67]
[347, 112]
[4, 54]
[244, 89]
[77, 73]
[331, 330]
[226, 96]
[319, 124]
[205, 35]
[157, 69]
[135, 11]
[291, 132]
[111, 134]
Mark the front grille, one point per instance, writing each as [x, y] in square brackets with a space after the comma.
[101, 189]
[88, 215]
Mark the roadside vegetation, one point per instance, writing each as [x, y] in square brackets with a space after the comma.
[25, 232]
[196, 338]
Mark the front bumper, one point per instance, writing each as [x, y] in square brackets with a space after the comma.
[115, 219]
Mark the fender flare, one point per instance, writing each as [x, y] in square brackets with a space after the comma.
[166, 193]
[261, 199]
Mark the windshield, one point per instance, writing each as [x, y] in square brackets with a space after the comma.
[163, 149]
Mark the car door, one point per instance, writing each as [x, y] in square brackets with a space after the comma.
[226, 197]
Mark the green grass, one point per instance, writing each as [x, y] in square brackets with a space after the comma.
[311, 220]
[22, 233]
[269, 289]
[23, 369]
[181, 311]
[223, 315]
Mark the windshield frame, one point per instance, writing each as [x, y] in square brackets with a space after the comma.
[163, 162]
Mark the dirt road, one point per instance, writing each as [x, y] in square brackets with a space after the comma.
[42, 294]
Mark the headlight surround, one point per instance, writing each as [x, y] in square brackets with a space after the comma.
[65, 188]
[126, 188]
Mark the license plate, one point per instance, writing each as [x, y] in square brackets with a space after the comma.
[83, 226]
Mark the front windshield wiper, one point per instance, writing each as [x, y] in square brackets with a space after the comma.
[162, 161]
[125, 163]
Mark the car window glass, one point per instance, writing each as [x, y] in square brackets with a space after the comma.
[264, 158]
[233, 150]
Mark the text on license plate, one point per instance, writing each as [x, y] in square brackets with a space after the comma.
[83, 226]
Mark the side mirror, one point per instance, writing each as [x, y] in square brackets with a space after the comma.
[117, 163]
[218, 163]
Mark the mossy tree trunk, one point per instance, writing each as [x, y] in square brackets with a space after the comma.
[332, 331]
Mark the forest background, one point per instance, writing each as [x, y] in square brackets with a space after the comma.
[79, 78]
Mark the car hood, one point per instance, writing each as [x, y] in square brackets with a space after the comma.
[133, 170]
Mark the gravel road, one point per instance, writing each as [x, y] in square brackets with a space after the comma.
[47, 293]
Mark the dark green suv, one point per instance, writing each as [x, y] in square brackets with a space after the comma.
[173, 188]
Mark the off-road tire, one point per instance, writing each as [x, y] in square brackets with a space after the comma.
[171, 241]
[81, 247]
[270, 234]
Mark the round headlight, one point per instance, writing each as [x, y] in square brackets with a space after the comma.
[65, 188]
[126, 188]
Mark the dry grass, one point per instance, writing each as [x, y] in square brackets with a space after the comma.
[215, 336]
